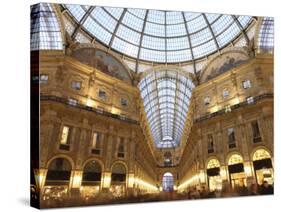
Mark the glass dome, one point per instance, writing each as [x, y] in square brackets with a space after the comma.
[156, 35]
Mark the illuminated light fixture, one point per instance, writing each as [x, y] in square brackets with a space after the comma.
[235, 101]
[227, 108]
[115, 110]
[89, 102]
[214, 109]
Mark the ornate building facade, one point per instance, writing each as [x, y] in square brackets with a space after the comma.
[101, 118]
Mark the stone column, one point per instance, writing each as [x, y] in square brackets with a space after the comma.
[106, 175]
[40, 178]
[45, 141]
[81, 147]
[75, 182]
[48, 136]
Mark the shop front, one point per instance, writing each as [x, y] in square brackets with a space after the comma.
[237, 175]
[263, 167]
[213, 174]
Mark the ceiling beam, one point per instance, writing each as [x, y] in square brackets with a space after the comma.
[156, 83]
[165, 13]
[81, 22]
[211, 30]
[190, 45]
[241, 28]
[116, 27]
[141, 39]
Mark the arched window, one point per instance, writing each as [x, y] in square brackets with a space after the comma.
[92, 173]
[118, 173]
[263, 167]
[59, 172]
[213, 173]
[235, 159]
[236, 171]
[168, 182]
[261, 154]
[213, 163]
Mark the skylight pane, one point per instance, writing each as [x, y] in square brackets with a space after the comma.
[128, 34]
[174, 17]
[244, 20]
[153, 43]
[125, 47]
[178, 56]
[212, 17]
[191, 15]
[114, 11]
[204, 49]
[229, 34]
[176, 30]
[104, 19]
[140, 13]
[155, 29]
[223, 22]
[76, 10]
[156, 16]
[196, 24]
[96, 30]
[201, 37]
[133, 22]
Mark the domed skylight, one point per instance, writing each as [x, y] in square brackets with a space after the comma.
[156, 35]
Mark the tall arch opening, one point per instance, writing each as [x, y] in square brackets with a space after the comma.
[118, 179]
[213, 173]
[168, 182]
[236, 171]
[57, 179]
[91, 181]
[263, 166]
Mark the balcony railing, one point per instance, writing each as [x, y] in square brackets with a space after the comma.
[85, 107]
[234, 107]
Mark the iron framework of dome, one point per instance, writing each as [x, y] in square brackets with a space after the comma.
[166, 96]
[156, 35]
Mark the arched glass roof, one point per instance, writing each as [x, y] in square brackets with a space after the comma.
[165, 94]
[156, 35]
[266, 35]
[45, 31]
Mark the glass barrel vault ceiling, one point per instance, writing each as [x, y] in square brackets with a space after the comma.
[166, 94]
[159, 36]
